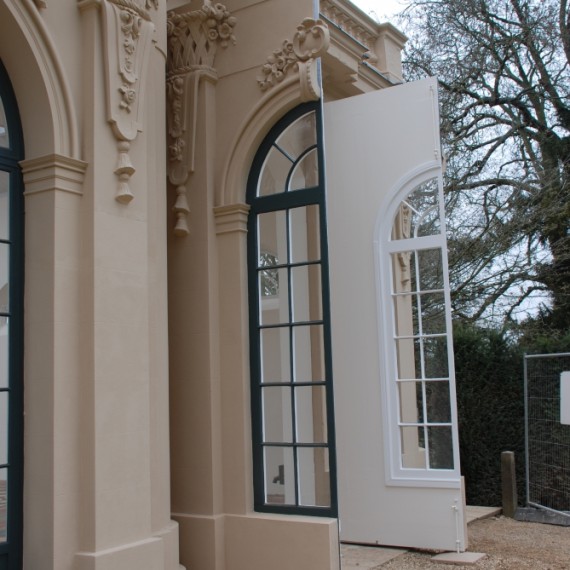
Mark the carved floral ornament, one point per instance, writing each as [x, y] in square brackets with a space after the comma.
[128, 30]
[310, 41]
[193, 40]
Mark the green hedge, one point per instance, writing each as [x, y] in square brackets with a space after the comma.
[490, 400]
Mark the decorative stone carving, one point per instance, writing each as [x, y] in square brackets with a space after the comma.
[128, 31]
[310, 41]
[193, 40]
[402, 230]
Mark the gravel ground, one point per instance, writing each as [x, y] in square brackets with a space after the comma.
[509, 545]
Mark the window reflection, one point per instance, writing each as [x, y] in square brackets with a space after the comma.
[3, 503]
[4, 204]
[419, 214]
[279, 475]
[420, 334]
[4, 135]
[292, 161]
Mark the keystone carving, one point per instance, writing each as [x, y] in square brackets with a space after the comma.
[193, 41]
[128, 31]
[311, 40]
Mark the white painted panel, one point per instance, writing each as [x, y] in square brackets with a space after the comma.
[375, 144]
[565, 398]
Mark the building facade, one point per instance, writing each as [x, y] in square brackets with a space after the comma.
[138, 139]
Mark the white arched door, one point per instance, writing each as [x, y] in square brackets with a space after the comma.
[396, 422]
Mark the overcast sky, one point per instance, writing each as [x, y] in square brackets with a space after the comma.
[382, 10]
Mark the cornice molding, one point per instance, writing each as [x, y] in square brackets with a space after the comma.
[346, 19]
[193, 39]
[365, 40]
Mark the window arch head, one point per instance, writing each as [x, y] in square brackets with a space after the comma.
[288, 159]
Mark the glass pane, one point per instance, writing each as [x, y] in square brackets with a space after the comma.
[4, 135]
[428, 223]
[4, 344]
[437, 402]
[272, 238]
[433, 313]
[408, 359]
[3, 503]
[4, 275]
[440, 447]
[306, 173]
[275, 355]
[269, 281]
[299, 136]
[413, 447]
[274, 298]
[279, 475]
[277, 414]
[309, 360]
[430, 267]
[314, 484]
[306, 294]
[435, 357]
[273, 179]
[4, 427]
[4, 204]
[411, 402]
[311, 414]
[418, 214]
[404, 271]
[304, 231]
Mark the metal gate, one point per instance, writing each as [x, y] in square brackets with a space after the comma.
[547, 439]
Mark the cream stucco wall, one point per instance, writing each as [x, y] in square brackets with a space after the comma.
[96, 486]
[211, 435]
[136, 340]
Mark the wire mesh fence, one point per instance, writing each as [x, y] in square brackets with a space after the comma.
[547, 439]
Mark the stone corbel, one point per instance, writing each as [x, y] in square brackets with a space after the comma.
[311, 40]
[193, 40]
[127, 32]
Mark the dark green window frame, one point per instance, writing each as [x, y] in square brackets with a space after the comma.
[264, 270]
[11, 543]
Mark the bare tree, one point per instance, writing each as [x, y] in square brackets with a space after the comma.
[503, 67]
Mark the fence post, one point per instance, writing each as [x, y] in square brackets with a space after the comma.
[509, 483]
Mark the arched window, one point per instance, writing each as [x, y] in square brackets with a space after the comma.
[292, 409]
[417, 333]
[11, 328]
